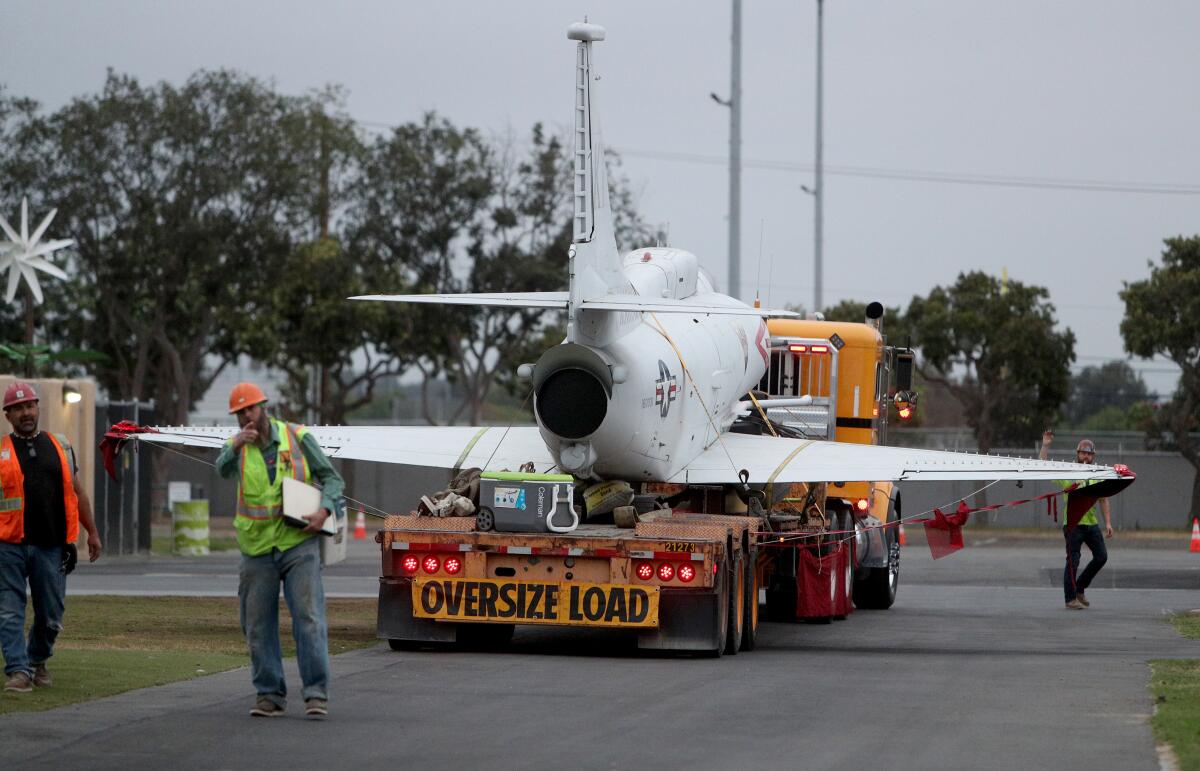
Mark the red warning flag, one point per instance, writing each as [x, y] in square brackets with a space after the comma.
[114, 439]
[944, 532]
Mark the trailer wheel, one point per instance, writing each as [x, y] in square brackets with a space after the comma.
[750, 615]
[737, 606]
[721, 621]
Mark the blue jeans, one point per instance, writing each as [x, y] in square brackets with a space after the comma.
[42, 569]
[1093, 536]
[299, 569]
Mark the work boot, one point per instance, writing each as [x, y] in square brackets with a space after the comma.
[316, 708]
[19, 682]
[1075, 604]
[1083, 600]
[264, 707]
[41, 676]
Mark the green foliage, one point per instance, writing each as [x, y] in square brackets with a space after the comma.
[42, 360]
[1176, 689]
[1162, 318]
[1003, 341]
[1113, 387]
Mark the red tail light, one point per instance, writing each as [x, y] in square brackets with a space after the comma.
[430, 564]
[686, 572]
[644, 571]
[862, 504]
[410, 563]
[452, 565]
[820, 349]
[666, 571]
[798, 348]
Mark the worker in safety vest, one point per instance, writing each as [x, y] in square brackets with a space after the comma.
[261, 454]
[1087, 531]
[42, 507]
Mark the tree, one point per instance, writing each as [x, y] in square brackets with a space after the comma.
[179, 203]
[1113, 387]
[1002, 342]
[1162, 318]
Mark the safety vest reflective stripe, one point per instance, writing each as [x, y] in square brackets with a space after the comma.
[9, 504]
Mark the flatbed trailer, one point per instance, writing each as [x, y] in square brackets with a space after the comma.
[677, 580]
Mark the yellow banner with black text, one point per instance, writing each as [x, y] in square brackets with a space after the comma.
[530, 602]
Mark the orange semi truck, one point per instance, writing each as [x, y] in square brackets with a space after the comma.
[700, 565]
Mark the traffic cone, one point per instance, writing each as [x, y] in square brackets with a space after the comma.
[360, 526]
[903, 540]
[1195, 534]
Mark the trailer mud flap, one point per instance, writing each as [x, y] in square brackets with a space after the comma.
[686, 622]
[396, 619]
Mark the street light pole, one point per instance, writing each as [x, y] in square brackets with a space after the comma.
[735, 154]
[819, 183]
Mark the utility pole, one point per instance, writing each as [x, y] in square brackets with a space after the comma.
[734, 103]
[819, 184]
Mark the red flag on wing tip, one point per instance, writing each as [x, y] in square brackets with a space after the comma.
[114, 439]
[943, 532]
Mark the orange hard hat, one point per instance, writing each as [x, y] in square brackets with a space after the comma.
[19, 393]
[244, 395]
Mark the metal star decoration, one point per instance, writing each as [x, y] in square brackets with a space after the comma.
[21, 255]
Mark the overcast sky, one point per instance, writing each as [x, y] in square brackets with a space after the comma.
[1068, 90]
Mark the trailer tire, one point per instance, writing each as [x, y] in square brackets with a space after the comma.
[750, 593]
[737, 606]
[721, 622]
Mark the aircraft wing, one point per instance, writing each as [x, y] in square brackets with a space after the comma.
[772, 459]
[506, 299]
[448, 447]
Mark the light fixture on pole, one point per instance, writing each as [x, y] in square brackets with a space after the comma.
[734, 103]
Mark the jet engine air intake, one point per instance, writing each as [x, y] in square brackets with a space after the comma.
[571, 389]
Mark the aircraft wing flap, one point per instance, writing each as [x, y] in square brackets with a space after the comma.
[768, 459]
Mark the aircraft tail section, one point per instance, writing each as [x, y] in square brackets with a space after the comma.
[595, 263]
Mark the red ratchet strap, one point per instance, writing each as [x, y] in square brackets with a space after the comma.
[115, 438]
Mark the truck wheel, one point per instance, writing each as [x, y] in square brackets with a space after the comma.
[750, 615]
[877, 590]
[737, 607]
[484, 636]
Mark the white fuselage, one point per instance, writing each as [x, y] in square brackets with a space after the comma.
[677, 379]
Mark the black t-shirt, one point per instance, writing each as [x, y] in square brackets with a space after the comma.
[45, 509]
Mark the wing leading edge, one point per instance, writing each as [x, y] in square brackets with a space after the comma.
[770, 459]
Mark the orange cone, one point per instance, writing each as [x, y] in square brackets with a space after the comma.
[1195, 534]
[903, 540]
[360, 526]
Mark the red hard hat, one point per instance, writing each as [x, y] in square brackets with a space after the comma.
[245, 395]
[19, 393]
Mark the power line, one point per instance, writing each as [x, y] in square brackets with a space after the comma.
[913, 175]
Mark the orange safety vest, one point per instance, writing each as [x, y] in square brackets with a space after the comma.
[12, 505]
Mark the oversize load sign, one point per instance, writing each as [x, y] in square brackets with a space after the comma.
[527, 602]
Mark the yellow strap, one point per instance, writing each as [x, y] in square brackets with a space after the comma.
[467, 450]
[779, 469]
[764, 415]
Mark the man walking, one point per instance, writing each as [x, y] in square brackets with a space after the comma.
[42, 507]
[261, 455]
[1087, 531]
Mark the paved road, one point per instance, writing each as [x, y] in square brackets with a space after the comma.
[977, 666]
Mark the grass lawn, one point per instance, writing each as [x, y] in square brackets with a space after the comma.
[116, 644]
[1176, 688]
